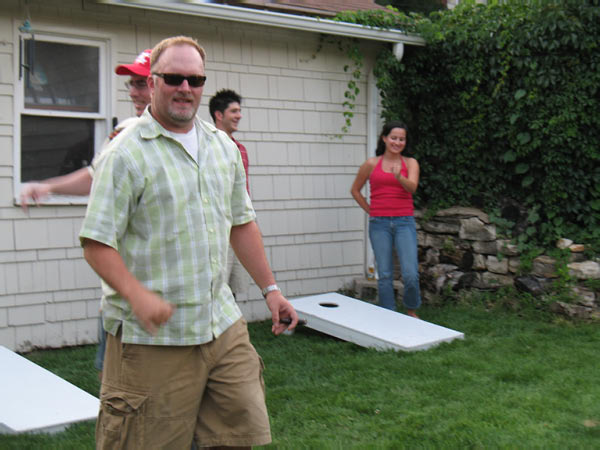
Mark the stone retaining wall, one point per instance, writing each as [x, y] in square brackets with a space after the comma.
[459, 249]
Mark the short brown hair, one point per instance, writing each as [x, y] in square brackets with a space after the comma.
[171, 42]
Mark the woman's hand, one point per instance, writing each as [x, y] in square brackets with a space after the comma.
[411, 182]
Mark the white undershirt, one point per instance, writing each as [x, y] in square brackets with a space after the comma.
[189, 141]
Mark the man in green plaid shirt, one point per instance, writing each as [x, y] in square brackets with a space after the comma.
[168, 197]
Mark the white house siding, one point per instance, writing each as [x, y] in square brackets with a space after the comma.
[300, 171]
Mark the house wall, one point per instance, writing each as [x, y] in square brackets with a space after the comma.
[300, 170]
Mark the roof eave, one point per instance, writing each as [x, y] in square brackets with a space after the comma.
[273, 19]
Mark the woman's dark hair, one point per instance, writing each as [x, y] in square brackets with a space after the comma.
[385, 131]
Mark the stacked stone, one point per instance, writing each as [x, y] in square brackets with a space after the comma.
[459, 249]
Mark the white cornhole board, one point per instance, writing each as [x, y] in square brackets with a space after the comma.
[369, 325]
[34, 400]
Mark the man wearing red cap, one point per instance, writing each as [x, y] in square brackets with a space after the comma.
[138, 74]
[79, 182]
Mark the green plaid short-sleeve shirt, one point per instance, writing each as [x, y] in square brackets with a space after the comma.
[170, 217]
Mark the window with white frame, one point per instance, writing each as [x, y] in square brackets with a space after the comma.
[61, 101]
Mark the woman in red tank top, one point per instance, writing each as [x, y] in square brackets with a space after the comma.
[393, 178]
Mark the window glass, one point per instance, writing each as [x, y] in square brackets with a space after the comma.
[52, 146]
[61, 76]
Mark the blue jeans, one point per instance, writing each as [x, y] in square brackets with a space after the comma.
[385, 234]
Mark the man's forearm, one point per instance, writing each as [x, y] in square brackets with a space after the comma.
[247, 243]
[248, 246]
[74, 183]
[109, 265]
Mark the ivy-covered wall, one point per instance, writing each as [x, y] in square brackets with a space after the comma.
[503, 108]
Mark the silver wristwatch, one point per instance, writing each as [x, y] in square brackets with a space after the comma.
[270, 288]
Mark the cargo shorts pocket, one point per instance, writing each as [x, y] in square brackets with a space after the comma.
[121, 421]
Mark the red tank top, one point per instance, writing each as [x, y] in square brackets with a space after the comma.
[388, 197]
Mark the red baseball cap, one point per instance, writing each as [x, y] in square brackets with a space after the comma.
[141, 65]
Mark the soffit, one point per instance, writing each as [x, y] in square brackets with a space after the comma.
[269, 18]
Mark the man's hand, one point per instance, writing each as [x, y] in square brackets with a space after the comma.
[114, 133]
[280, 308]
[151, 310]
[34, 191]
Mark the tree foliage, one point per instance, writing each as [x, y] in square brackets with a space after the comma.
[419, 6]
[503, 103]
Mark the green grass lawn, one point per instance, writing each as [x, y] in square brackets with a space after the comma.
[517, 380]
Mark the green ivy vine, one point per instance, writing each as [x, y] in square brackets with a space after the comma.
[388, 19]
[351, 48]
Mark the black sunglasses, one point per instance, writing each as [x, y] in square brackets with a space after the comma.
[175, 79]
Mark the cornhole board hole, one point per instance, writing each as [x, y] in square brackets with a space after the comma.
[369, 325]
[34, 400]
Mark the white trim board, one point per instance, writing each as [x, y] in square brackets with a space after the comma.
[369, 325]
[34, 400]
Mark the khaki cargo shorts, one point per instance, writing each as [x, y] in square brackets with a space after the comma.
[163, 397]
